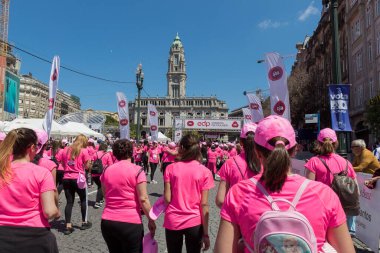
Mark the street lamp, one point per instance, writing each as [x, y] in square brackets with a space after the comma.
[139, 84]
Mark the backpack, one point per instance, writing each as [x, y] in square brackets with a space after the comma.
[347, 190]
[97, 165]
[283, 230]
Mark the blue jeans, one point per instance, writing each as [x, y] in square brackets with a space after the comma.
[351, 224]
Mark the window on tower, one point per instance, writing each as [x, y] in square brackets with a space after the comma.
[176, 59]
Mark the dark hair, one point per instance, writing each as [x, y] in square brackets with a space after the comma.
[17, 143]
[55, 145]
[253, 162]
[189, 149]
[122, 149]
[103, 146]
[276, 164]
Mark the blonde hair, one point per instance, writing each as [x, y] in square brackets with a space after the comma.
[79, 143]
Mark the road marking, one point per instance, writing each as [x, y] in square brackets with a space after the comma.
[88, 194]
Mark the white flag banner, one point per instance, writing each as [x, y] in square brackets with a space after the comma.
[247, 115]
[53, 85]
[254, 105]
[153, 122]
[177, 135]
[279, 95]
[122, 109]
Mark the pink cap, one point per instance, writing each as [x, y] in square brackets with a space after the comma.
[149, 244]
[274, 126]
[158, 208]
[327, 133]
[171, 145]
[248, 127]
[42, 137]
[64, 141]
[91, 140]
[2, 136]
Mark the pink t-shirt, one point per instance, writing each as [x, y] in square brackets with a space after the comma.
[168, 158]
[47, 153]
[72, 168]
[187, 181]
[47, 163]
[232, 152]
[154, 155]
[212, 155]
[120, 181]
[138, 154]
[336, 164]
[58, 156]
[244, 204]
[91, 150]
[232, 173]
[20, 203]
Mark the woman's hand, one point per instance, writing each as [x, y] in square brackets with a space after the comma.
[369, 183]
[152, 227]
[205, 242]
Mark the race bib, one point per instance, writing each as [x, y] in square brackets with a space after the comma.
[71, 163]
[154, 157]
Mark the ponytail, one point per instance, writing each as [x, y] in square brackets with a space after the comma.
[277, 163]
[6, 150]
[253, 162]
[326, 147]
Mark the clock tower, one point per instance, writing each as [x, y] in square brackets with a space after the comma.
[176, 75]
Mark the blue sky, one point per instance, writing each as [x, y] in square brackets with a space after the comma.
[223, 40]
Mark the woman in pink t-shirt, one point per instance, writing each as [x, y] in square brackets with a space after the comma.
[316, 170]
[154, 160]
[76, 161]
[138, 155]
[245, 202]
[28, 196]
[124, 187]
[169, 154]
[212, 156]
[240, 167]
[187, 183]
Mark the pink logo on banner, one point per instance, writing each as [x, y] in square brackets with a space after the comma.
[235, 124]
[190, 123]
[122, 103]
[254, 106]
[279, 108]
[275, 73]
[204, 124]
[152, 113]
[123, 122]
[51, 103]
[54, 76]
[153, 128]
[178, 134]
[248, 117]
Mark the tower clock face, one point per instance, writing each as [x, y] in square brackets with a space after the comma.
[175, 79]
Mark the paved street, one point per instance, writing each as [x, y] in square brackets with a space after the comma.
[91, 240]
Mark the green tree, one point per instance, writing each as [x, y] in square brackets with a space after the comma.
[372, 115]
[111, 121]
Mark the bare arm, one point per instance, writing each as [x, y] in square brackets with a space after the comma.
[227, 239]
[174, 152]
[221, 194]
[54, 173]
[205, 216]
[49, 207]
[340, 239]
[167, 193]
[145, 205]
[310, 175]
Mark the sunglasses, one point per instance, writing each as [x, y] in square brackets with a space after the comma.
[355, 146]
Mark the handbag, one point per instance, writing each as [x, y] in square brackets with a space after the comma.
[81, 181]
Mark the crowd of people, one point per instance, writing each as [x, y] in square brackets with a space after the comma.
[255, 177]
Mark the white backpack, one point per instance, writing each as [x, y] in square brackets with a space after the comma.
[285, 231]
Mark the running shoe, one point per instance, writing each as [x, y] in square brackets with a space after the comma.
[68, 230]
[86, 225]
[97, 205]
[154, 182]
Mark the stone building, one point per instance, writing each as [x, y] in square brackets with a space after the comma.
[176, 103]
[34, 96]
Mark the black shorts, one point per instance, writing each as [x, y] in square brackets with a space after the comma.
[27, 240]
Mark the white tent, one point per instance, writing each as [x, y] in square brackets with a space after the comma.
[83, 129]
[161, 137]
[57, 129]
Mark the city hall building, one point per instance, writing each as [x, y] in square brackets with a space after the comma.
[176, 104]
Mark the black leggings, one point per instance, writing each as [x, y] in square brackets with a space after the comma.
[99, 193]
[153, 167]
[59, 181]
[122, 236]
[193, 239]
[164, 165]
[70, 187]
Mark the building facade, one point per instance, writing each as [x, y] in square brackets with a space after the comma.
[176, 103]
[34, 96]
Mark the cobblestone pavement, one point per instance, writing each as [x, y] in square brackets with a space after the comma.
[91, 240]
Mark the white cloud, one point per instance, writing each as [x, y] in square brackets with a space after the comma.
[309, 11]
[268, 23]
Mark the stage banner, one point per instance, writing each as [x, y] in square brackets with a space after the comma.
[279, 95]
[177, 135]
[53, 85]
[122, 109]
[254, 104]
[214, 124]
[247, 115]
[367, 223]
[339, 95]
[153, 122]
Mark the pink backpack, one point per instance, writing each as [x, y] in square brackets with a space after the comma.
[283, 230]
